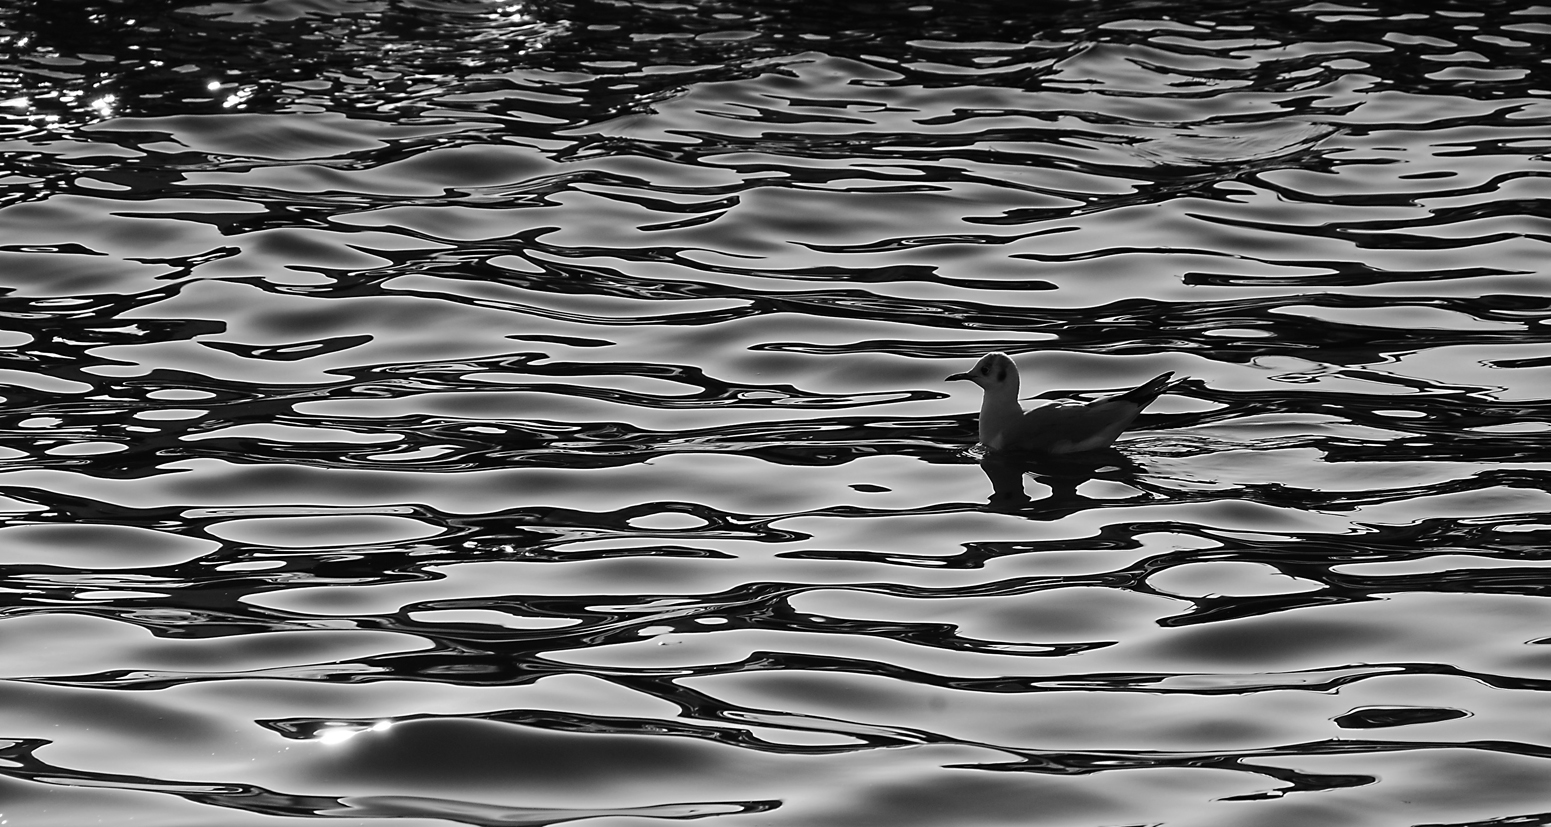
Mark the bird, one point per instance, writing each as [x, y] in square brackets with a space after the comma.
[1051, 427]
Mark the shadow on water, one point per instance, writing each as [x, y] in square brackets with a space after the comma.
[1010, 472]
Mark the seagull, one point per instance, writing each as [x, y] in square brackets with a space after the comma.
[1050, 427]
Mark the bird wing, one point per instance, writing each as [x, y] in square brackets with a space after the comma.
[1068, 426]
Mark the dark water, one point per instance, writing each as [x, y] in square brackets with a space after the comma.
[516, 414]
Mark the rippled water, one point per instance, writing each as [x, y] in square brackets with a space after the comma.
[498, 413]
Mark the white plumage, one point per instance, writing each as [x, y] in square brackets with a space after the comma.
[1051, 427]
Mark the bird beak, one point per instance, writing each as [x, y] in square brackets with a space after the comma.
[966, 377]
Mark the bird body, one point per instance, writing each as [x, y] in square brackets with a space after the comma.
[1051, 427]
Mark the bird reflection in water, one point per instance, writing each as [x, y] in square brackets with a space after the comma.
[1063, 475]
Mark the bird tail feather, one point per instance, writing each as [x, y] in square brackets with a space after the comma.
[1144, 394]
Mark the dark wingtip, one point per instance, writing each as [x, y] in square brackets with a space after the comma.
[1146, 392]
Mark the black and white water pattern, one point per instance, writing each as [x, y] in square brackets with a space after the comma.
[495, 412]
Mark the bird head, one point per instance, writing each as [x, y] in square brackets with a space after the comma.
[994, 370]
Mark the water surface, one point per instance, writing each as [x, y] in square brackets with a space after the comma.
[501, 413]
